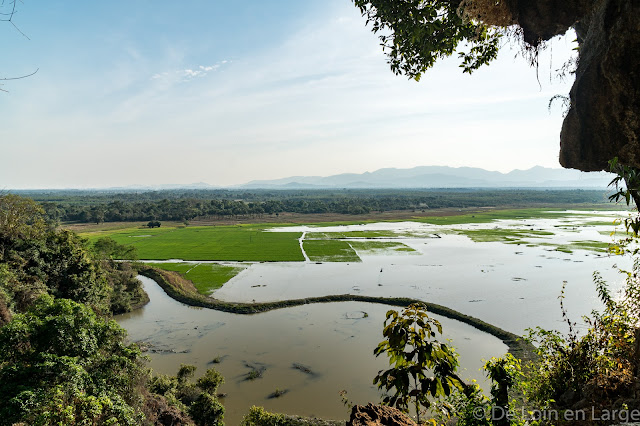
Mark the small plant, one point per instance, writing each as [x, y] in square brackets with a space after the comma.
[303, 368]
[345, 400]
[470, 406]
[216, 360]
[599, 363]
[413, 350]
[254, 374]
[627, 187]
[504, 373]
[278, 393]
[258, 416]
[199, 399]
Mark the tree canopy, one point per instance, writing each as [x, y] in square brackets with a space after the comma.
[416, 33]
[62, 364]
[603, 120]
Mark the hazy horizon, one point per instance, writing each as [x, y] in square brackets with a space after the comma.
[230, 93]
[241, 184]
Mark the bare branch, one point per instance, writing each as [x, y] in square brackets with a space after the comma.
[19, 30]
[11, 13]
[21, 77]
[10, 7]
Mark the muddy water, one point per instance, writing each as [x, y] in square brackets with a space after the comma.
[332, 345]
[513, 286]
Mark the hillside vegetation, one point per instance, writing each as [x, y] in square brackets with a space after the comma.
[63, 360]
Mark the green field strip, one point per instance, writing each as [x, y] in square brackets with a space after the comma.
[379, 247]
[232, 243]
[330, 251]
[206, 277]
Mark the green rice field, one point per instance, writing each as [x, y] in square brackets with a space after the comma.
[232, 243]
[351, 234]
[373, 247]
[206, 277]
[251, 242]
[330, 251]
[502, 234]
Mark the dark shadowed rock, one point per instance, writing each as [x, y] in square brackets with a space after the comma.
[378, 415]
[543, 19]
[158, 412]
[603, 121]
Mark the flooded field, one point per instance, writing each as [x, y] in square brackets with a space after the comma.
[513, 283]
[312, 352]
[508, 273]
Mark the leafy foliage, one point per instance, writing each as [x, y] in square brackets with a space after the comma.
[36, 259]
[416, 33]
[61, 364]
[412, 350]
[470, 407]
[108, 248]
[627, 186]
[61, 361]
[600, 365]
[20, 219]
[181, 205]
[258, 416]
[199, 399]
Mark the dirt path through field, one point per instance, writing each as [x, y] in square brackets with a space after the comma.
[304, 253]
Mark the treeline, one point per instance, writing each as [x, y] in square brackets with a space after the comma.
[85, 206]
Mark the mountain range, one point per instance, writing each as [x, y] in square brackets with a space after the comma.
[417, 177]
[443, 177]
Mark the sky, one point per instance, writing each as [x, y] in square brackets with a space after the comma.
[224, 92]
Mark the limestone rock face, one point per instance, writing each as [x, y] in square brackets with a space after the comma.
[378, 415]
[543, 19]
[603, 121]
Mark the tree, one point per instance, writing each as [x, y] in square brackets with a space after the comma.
[62, 364]
[108, 248]
[412, 350]
[603, 120]
[20, 219]
[37, 259]
[424, 31]
[199, 399]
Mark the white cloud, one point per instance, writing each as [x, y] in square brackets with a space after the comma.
[322, 102]
[187, 74]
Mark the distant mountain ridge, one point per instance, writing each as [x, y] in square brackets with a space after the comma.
[417, 177]
[443, 177]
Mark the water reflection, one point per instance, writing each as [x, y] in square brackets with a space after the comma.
[312, 351]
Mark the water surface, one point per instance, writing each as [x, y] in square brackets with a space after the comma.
[333, 341]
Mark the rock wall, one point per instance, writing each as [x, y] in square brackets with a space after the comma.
[603, 120]
[378, 415]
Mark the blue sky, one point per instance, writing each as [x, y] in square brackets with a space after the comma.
[226, 92]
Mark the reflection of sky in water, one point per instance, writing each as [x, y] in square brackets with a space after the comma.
[334, 340]
[512, 286]
[509, 285]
